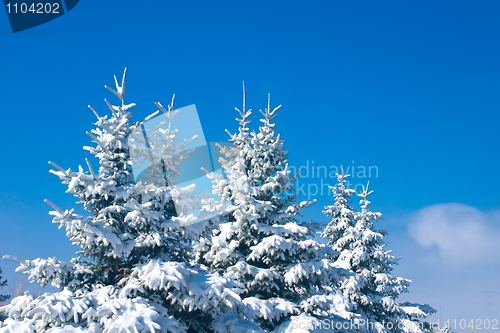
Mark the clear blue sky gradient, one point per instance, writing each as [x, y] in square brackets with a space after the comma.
[410, 87]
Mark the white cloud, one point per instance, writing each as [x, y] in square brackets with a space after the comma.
[461, 233]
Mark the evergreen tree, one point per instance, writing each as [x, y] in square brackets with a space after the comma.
[341, 214]
[372, 290]
[260, 242]
[132, 273]
[3, 283]
[3, 298]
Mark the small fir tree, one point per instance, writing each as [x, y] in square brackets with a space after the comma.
[372, 290]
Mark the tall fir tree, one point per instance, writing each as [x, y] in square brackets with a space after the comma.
[341, 214]
[133, 270]
[372, 290]
[260, 242]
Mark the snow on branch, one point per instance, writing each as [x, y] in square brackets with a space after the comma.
[45, 271]
[101, 310]
[321, 272]
[189, 288]
[269, 310]
[415, 310]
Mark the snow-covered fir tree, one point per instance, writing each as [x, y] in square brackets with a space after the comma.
[3, 283]
[341, 214]
[132, 273]
[145, 266]
[3, 298]
[260, 242]
[372, 290]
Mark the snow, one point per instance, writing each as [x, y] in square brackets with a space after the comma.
[272, 310]
[146, 264]
[191, 288]
[228, 322]
[102, 307]
[371, 290]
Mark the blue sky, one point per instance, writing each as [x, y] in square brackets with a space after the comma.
[412, 88]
